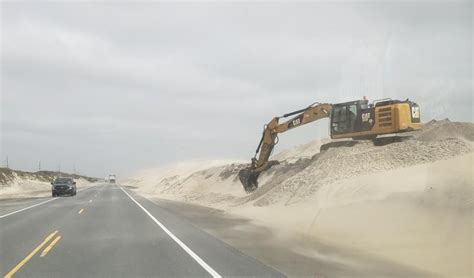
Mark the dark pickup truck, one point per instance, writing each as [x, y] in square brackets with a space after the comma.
[63, 186]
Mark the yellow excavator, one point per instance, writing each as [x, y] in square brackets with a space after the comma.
[357, 119]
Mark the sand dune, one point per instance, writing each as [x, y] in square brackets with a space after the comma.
[19, 184]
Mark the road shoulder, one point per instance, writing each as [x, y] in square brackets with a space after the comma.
[289, 254]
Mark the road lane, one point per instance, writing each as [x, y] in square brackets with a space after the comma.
[10, 207]
[225, 259]
[188, 250]
[21, 232]
[17, 267]
[113, 237]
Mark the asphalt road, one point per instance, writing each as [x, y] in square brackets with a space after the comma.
[107, 231]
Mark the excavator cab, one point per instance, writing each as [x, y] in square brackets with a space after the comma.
[347, 117]
[361, 120]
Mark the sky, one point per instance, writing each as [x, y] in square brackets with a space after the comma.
[114, 87]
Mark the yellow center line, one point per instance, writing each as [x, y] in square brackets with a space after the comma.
[81, 211]
[27, 258]
[50, 246]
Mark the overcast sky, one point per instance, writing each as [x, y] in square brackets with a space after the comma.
[113, 88]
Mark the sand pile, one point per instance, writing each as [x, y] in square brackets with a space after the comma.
[420, 216]
[301, 151]
[363, 158]
[204, 182]
[437, 130]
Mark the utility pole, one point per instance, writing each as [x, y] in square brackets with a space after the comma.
[39, 165]
[7, 162]
[59, 169]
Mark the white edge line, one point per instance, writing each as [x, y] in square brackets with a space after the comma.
[177, 240]
[8, 214]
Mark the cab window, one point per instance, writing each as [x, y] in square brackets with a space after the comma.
[343, 118]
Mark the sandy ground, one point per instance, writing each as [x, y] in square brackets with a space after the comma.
[407, 203]
[307, 257]
[426, 223]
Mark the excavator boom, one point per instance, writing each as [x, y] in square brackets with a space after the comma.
[249, 176]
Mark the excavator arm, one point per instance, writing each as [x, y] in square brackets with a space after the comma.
[248, 176]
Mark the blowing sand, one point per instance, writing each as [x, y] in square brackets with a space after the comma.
[408, 202]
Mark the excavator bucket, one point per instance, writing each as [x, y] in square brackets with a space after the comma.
[248, 178]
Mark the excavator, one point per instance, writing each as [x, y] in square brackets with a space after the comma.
[357, 119]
